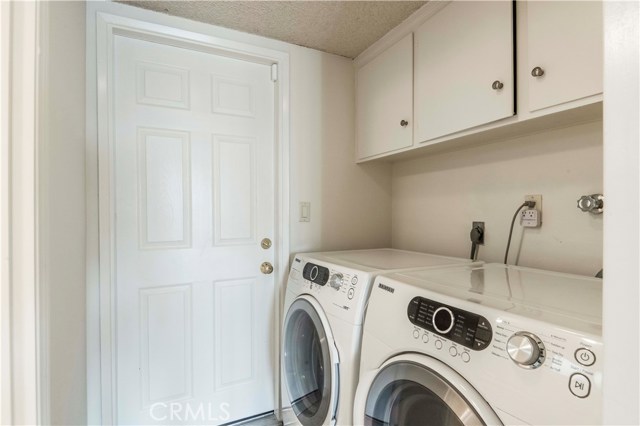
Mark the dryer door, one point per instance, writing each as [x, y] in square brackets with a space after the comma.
[418, 390]
[310, 363]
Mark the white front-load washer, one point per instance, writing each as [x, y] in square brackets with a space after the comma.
[324, 307]
[488, 344]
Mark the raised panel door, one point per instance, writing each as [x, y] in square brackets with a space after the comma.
[194, 195]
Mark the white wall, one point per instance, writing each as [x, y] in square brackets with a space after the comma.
[63, 172]
[350, 204]
[436, 198]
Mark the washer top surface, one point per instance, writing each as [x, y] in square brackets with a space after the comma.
[563, 299]
[386, 259]
[341, 280]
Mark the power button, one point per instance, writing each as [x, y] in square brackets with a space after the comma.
[585, 357]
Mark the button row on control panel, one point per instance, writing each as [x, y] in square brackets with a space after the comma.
[453, 351]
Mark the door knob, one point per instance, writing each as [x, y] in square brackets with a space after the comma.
[266, 268]
[497, 85]
[537, 72]
[404, 123]
[265, 243]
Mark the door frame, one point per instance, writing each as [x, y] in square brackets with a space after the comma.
[104, 22]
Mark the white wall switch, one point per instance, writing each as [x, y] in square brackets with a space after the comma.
[305, 211]
[530, 218]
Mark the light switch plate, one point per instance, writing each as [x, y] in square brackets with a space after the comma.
[305, 211]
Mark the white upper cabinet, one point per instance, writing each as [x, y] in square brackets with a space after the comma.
[464, 68]
[384, 101]
[565, 49]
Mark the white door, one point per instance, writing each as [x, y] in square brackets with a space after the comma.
[194, 196]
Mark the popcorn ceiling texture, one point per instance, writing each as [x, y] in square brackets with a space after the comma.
[344, 28]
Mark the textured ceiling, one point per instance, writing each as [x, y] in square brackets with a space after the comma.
[345, 28]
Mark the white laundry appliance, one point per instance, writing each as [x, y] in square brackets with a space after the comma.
[324, 307]
[489, 344]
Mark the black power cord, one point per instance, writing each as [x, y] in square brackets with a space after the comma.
[529, 204]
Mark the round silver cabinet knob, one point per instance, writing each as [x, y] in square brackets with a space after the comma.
[526, 350]
[497, 85]
[336, 280]
[537, 72]
[404, 123]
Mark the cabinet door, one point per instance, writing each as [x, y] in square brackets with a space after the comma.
[565, 41]
[384, 98]
[460, 52]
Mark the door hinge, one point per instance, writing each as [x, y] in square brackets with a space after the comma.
[274, 72]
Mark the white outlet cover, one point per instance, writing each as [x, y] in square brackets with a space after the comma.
[530, 218]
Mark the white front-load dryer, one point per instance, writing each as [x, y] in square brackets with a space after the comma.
[323, 313]
[474, 345]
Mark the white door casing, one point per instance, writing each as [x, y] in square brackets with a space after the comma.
[167, 225]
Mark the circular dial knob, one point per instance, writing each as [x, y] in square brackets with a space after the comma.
[526, 350]
[336, 280]
[443, 320]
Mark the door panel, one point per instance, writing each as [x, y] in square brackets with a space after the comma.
[194, 194]
[459, 53]
[565, 39]
[384, 97]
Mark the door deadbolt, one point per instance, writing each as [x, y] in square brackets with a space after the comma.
[265, 243]
[266, 268]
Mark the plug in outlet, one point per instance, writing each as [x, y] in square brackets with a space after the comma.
[532, 217]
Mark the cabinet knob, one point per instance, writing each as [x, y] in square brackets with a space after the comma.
[404, 123]
[497, 85]
[537, 72]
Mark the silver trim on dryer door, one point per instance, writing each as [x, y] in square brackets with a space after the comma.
[407, 393]
[310, 364]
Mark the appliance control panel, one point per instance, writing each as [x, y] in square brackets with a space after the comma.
[462, 327]
[339, 289]
[315, 273]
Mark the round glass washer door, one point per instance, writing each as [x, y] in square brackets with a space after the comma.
[310, 363]
[410, 393]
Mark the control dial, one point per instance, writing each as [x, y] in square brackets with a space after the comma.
[336, 280]
[443, 320]
[526, 350]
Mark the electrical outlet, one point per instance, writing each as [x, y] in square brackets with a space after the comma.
[537, 198]
[530, 218]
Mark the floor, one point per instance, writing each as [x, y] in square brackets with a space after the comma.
[270, 420]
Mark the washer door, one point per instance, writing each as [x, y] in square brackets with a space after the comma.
[310, 363]
[415, 390]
